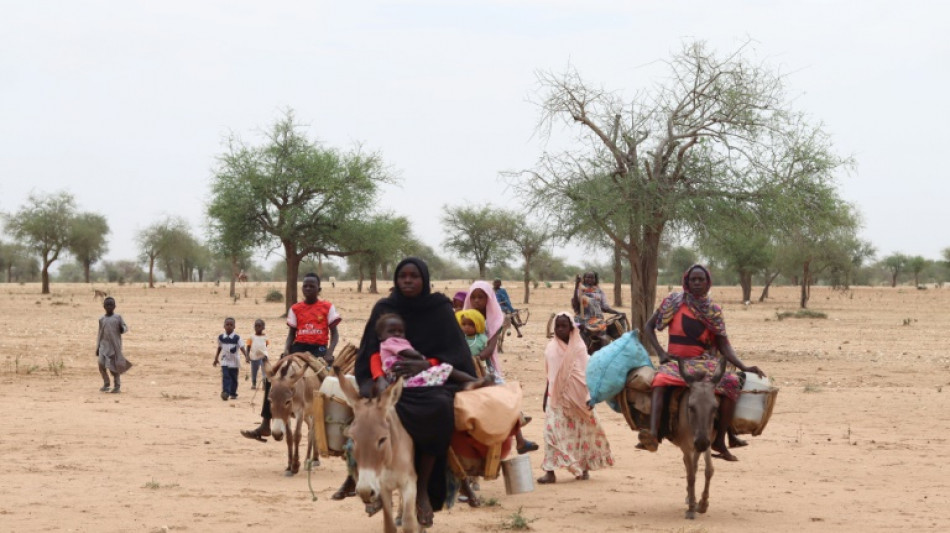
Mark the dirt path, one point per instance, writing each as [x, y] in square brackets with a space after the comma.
[858, 440]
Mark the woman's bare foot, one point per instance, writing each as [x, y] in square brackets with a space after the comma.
[583, 477]
[486, 381]
[424, 514]
[547, 478]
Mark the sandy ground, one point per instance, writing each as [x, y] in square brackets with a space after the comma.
[858, 440]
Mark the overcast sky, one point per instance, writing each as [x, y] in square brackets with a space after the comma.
[127, 104]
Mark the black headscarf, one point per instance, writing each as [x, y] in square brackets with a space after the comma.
[426, 412]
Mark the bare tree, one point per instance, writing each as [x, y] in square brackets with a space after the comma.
[718, 127]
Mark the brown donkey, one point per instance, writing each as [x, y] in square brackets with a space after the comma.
[383, 452]
[291, 395]
[694, 430]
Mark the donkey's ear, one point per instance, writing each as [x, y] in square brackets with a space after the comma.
[391, 394]
[352, 395]
[270, 370]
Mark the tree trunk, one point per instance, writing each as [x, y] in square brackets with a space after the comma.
[894, 279]
[359, 284]
[45, 277]
[85, 269]
[151, 272]
[805, 275]
[201, 275]
[481, 270]
[372, 279]
[618, 274]
[768, 283]
[643, 272]
[745, 281]
[234, 275]
[320, 266]
[293, 268]
[527, 278]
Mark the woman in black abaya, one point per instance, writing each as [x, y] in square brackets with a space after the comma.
[426, 412]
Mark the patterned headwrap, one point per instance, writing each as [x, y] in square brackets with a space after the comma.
[707, 312]
[474, 316]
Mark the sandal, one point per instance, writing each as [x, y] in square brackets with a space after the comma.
[547, 479]
[725, 455]
[529, 446]
[254, 434]
[347, 490]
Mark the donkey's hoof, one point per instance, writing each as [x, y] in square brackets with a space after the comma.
[296, 468]
[703, 506]
[690, 515]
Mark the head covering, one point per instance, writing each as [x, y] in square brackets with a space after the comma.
[707, 312]
[494, 317]
[431, 327]
[565, 365]
[426, 412]
[460, 296]
[474, 316]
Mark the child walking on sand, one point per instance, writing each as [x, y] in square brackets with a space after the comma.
[393, 347]
[109, 346]
[229, 343]
[257, 350]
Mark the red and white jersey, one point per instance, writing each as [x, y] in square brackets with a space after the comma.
[313, 321]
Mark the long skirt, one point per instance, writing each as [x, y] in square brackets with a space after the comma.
[574, 443]
[668, 374]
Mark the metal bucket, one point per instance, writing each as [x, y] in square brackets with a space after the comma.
[517, 473]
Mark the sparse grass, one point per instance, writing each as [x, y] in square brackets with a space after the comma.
[174, 396]
[32, 368]
[57, 303]
[490, 502]
[908, 321]
[155, 485]
[811, 387]
[274, 296]
[55, 365]
[518, 521]
[801, 313]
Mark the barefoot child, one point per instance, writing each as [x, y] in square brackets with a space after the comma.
[393, 348]
[229, 343]
[257, 350]
[109, 346]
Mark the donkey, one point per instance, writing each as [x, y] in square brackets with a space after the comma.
[291, 395]
[694, 430]
[383, 452]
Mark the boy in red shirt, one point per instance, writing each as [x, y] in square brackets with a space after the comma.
[312, 324]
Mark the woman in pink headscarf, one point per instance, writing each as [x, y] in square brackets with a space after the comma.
[573, 438]
[481, 297]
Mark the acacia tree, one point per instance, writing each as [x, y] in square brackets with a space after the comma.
[157, 240]
[527, 240]
[382, 237]
[296, 194]
[87, 240]
[916, 264]
[16, 261]
[718, 128]
[44, 226]
[895, 264]
[477, 232]
[231, 235]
